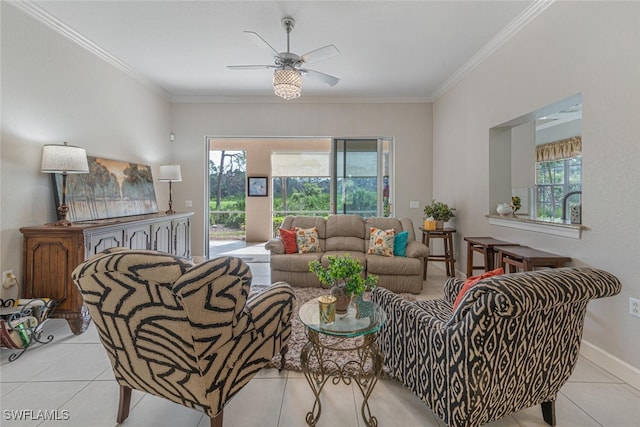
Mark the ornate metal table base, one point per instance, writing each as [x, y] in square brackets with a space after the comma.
[355, 371]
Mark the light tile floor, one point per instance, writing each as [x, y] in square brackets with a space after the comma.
[72, 375]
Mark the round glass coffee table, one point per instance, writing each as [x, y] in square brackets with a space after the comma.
[354, 332]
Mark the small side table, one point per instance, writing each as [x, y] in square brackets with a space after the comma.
[528, 258]
[362, 325]
[446, 234]
[484, 246]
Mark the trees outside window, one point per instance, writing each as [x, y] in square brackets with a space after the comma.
[554, 179]
[227, 186]
[300, 196]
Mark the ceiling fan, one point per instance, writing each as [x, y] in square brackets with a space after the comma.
[287, 79]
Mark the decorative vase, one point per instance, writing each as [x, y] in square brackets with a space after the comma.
[504, 209]
[439, 225]
[343, 299]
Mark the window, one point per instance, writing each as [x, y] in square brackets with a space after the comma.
[555, 179]
[301, 184]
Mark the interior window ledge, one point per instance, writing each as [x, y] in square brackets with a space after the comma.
[573, 231]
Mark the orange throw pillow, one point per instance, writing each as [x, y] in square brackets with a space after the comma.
[289, 239]
[472, 281]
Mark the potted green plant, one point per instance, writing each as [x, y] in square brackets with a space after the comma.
[344, 276]
[516, 203]
[439, 211]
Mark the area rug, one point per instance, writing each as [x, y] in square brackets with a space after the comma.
[298, 337]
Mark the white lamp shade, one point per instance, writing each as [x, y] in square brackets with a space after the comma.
[64, 159]
[170, 173]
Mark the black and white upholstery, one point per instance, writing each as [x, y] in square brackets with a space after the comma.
[511, 343]
[183, 332]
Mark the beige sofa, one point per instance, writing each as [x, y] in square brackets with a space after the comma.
[340, 234]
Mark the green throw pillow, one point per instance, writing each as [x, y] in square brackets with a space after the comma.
[400, 244]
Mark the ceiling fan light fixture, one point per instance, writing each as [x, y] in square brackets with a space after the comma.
[287, 83]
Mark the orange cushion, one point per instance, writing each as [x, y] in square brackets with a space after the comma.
[289, 239]
[472, 281]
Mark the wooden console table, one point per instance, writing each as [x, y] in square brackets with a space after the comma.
[51, 253]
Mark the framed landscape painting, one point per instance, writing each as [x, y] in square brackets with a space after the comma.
[111, 189]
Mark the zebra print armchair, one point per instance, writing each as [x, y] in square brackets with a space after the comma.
[511, 343]
[186, 333]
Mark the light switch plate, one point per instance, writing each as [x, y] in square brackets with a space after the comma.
[414, 204]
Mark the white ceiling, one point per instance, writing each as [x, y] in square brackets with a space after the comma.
[390, 50]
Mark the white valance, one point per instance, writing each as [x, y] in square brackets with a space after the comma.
[300, 164]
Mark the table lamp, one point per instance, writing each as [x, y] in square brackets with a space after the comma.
[170, 173]
[63, 159]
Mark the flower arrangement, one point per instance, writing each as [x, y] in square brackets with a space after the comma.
[516, 203]
[439, 211]
[343, 268]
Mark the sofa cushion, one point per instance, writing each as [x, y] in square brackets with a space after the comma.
[381, 242]
[359, 256]
[381, 223]
[307, 240]
[291, 222]
[345, 233]
[299, 262]
[384, 223]
[289, 239]
[398, 266]
[400, 244]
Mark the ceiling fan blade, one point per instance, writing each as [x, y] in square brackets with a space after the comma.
[323, 77]
[319, 54]
[261, 43]
[249, 67]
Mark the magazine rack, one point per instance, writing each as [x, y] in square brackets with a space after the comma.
[21, 324]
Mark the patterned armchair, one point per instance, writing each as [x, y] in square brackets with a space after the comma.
[511, 343]
[186, 333]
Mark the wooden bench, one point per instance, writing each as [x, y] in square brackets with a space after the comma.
[527, 258]
[484, 246]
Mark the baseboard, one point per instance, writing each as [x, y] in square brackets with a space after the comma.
[611, 364]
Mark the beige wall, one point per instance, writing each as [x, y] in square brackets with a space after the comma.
[53, 91]
[591, 48]
[409, 124]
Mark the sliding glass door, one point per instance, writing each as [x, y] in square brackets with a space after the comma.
[362, 171]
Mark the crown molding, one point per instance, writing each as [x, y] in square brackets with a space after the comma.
[42, 16]
[519, 22]
[273, 99]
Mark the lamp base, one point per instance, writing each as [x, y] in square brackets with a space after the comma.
[62, 214]
[170, 211]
